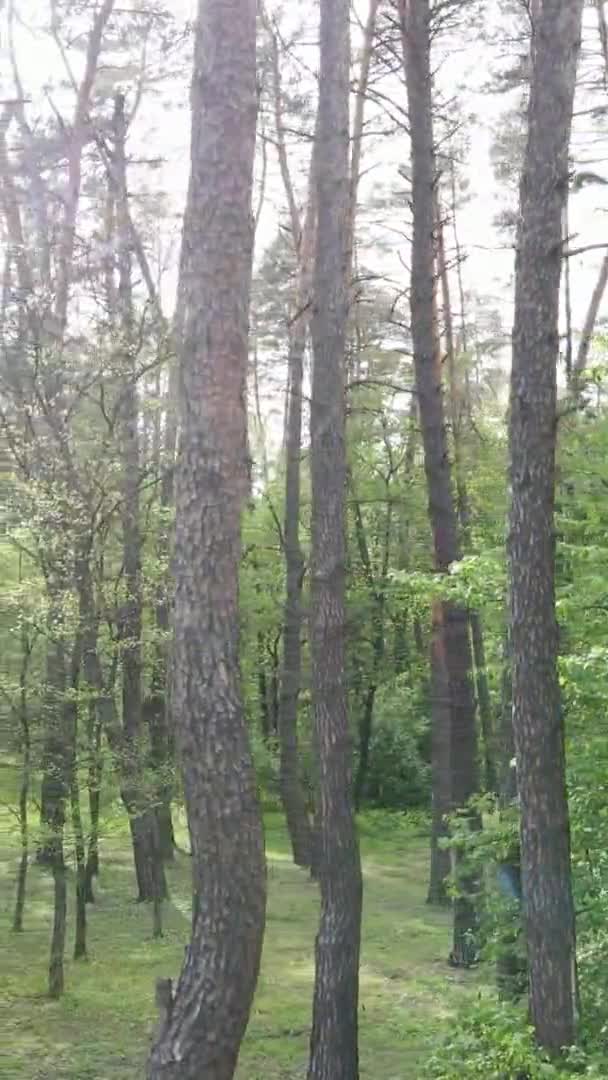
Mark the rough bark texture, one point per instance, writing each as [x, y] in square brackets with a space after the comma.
[334, 1041]
[207, 1017]
[415, 24]
[537, 715]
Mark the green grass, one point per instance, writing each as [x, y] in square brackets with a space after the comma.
[101, 1027]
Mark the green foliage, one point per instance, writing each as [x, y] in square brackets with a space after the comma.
[492, 1041]
[398, 778]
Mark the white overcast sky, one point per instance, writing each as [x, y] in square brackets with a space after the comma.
[163, 129]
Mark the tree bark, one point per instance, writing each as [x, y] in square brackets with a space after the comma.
[511, 973]
[584, 347]
[303, 240]
[334, 1038]
[210, 1009]
[139, 808]
[537, 712]
[80, 940]
[377, 589]
[59, 753]
[95, 773]
[26, 765]
[459, 406]
[292, 792]
[440, 762]
[77, 137]
[416, 34]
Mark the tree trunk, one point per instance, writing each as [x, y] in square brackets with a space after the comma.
[80, 941]
[292, 792]
[334, 1038]
[511, 972]
[440, 762]
[95, 772]
[208, 1015]
[537, 712]
[139, 807]
[71, 728]
[584, 347]
[415, 25]
[56, 976]
[484, 703]
[303, 238]
[377, 591]
[24, 789]
[59, 755]
[458, 407]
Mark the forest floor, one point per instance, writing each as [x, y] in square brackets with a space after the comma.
[101, 1027]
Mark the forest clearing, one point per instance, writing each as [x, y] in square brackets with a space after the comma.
[101, 1028]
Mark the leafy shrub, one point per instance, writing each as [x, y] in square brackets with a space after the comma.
[398, 776]
[491, 1041]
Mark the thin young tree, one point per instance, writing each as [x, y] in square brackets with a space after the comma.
[302, 238]
[204, 1022]
[334, 1038]
[537, 714]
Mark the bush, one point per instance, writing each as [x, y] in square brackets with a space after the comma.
[398, 777]
[491, 1041]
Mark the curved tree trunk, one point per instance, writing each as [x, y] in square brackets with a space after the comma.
[204, 1022]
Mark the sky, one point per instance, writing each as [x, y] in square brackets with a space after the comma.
[162, 130]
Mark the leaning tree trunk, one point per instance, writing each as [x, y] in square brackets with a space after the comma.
[415, 24]
[334, 1038]
[537, 711]
[205, 1021]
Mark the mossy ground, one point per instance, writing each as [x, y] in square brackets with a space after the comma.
[101, 1027]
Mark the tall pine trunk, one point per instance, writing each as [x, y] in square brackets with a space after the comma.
[537, 711]
[334, 1038]
[416, 33]
[204, 1024]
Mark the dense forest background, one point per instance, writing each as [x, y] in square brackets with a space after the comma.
[404, 453]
